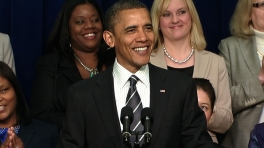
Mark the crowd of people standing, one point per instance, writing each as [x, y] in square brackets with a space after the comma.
[82, 82]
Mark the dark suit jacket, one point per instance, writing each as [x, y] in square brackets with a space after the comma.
[257, 137]
[38, 134]
[92, 119]
[54, 74]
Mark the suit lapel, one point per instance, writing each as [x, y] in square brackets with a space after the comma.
[105, 100]
[249, 53]
[201, 62]
[69, 69]
[26, 133]
[158, 98]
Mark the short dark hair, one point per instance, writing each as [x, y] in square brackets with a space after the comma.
[207, 87]
[22, 111]
[59, 40]
[111, 16]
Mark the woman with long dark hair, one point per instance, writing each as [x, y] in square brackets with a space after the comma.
[17, 129]
[78, 52]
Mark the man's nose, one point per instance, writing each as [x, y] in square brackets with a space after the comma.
[142, 36]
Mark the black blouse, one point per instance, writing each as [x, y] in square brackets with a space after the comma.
[186, 70]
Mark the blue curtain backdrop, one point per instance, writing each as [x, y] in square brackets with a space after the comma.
[29, 23]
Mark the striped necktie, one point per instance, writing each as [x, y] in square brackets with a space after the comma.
[133, 100]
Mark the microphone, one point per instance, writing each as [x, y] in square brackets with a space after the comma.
[147, 121]
[126, 118]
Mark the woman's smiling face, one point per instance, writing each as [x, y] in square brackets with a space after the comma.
[8, 102]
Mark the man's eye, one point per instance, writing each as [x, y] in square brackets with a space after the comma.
[131, 30]
[149, 28]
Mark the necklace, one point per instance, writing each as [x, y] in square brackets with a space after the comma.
[260, 54]
[92, 71]
[174, 60]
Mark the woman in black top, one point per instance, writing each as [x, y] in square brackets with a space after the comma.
[78, 52]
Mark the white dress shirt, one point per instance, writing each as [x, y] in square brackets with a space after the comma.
[121, 85]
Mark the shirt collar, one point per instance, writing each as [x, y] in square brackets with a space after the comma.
[122, 75]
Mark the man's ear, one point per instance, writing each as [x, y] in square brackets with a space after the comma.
[109, 38]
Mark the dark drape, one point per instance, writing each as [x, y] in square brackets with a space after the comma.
[29, 23]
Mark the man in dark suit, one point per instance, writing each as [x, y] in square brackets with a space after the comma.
[94, 105]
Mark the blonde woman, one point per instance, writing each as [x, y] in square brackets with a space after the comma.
[179, 46]
[243, 54]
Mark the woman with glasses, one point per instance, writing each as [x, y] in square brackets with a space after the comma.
[243, 53]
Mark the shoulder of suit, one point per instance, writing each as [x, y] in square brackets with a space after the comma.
[50, 56]
[38, 124]
[233, 39]
[4, 38]
[156, 68]
[209, 53]
[230, 39]
[101, 77]
[49, 59]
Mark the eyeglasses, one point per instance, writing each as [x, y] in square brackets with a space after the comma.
[259, 5]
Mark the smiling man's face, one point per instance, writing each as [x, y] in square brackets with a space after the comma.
[133, 38]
